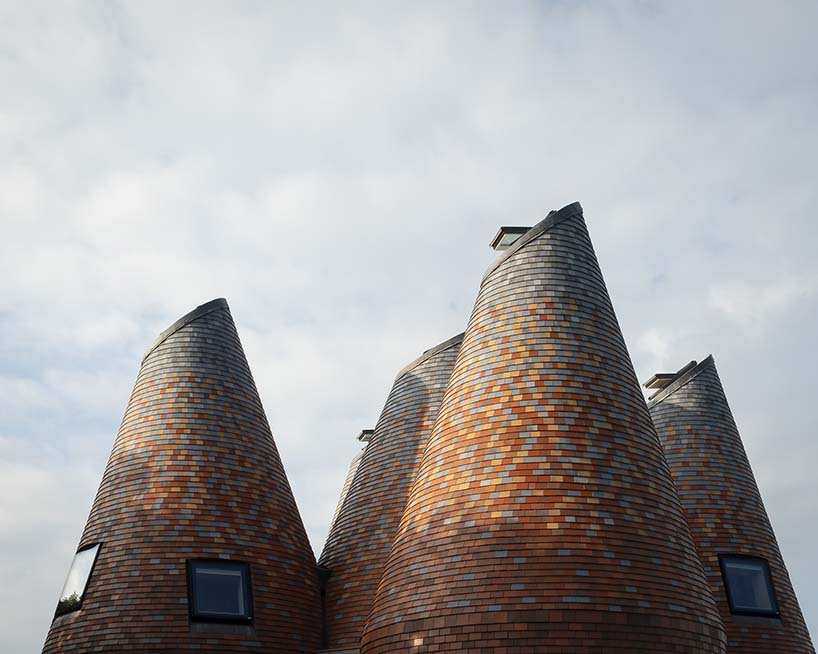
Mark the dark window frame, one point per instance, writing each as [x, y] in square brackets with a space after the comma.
[74, 609]
[765, 567]
[195, 616]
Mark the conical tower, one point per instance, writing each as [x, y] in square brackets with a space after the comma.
[361, 536]
[364, 437]
[197, 541]
[733, 535]
[543, 517]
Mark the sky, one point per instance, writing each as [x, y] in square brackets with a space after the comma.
[336, 171]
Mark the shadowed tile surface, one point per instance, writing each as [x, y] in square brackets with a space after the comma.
[351, 472]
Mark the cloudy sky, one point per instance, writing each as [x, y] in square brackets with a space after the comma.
[336, 172]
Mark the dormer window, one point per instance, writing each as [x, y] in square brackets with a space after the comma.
[506, 237]
[749, 585]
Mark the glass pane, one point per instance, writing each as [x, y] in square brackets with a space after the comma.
[509, 239]
[77, 580]
[219, 592]
[748, 586]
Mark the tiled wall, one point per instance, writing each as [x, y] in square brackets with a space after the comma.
[351, 472]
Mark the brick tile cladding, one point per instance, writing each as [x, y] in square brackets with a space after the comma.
[723, 505]
[351, 472]
[194, 472]
[543, 517]
[361, 536]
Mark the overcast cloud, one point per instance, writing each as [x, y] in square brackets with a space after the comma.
[336, 172]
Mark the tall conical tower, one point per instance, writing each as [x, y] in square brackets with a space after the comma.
[364, 437]
[194, 541]
[361, 536]
[733, 535]
[543, 517]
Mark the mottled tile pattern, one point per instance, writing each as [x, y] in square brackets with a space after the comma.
[723, 505]
[361, 536]
[194, 473]
[351, 472]
[543, 517]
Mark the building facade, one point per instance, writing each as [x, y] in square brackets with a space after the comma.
[516, 495]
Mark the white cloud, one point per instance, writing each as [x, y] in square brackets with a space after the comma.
[38, 537]
[754, 308]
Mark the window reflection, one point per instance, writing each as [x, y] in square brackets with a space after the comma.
[77, 579]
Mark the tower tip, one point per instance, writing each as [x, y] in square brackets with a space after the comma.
[190, 316]
[664, 383]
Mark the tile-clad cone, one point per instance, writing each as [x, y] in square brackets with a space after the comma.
[361, 537]
[543, 517]
[351, 471]
[723, 506]
[194, 473]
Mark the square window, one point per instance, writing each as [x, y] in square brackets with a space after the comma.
[77, 580]
[749, 585]
[219, 590]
